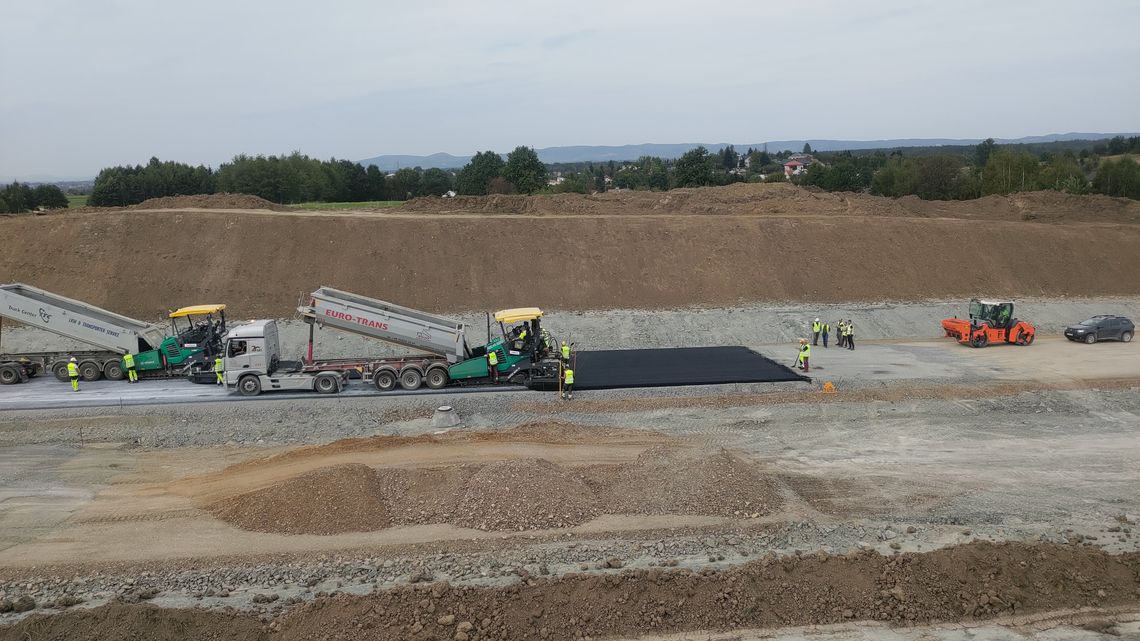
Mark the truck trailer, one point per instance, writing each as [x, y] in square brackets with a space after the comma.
[447, 358]
[195, 335]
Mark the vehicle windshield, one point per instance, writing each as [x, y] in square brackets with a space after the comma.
[1092, 322]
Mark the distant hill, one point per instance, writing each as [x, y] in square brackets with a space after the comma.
[603, 153]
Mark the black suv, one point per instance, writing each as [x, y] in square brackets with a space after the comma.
[1102, 328]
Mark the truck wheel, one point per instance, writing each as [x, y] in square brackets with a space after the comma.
[90, 371]
[411, 379]
[437, 378]
[9, 375]
[1090, 339]
[113, 371]
[326, 384]
[384, 380]
[979, 341]
[1126, 337]
[59, 370]
[249, 386]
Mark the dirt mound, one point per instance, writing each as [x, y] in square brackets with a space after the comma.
[331, 500]
[812, 253]
[664, 480]
[210, 201]
[965, 583]
[525, 494]
[137, 622]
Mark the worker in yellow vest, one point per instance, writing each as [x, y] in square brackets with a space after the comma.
[567, 383]
[816, 327]
[565, 353]
[825, 330]
[219, 369]
[493, 364]
[129, 363]
[849, 329]
[805, 354]
[73, 374]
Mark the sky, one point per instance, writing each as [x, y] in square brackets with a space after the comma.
[94, 83]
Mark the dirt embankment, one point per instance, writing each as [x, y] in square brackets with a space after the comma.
[640, 250]
[977, 581]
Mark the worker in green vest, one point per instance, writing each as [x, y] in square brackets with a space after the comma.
[73, 374]
[849, 330]
[825, 330]
[129, 363]
[219, 369]
[805, 354]
[567, 383]
[565, 353]
[493, 364]
[816, 326]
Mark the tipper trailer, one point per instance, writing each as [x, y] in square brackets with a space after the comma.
[195, 335]
[252, 351]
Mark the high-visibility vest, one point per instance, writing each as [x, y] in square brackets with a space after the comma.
[849, 330]
[805, 351]
[218, 367]
[129, 360]
[522, 335]
[816, 326]
[826, 328]
[493, 358]
[568, 376]
[73, 370]
[566, 352]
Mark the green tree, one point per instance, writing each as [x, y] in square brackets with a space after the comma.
[1063, 174]
[729, 159]
[4, 206]
[694, 168]
[895, 179]
[435, 182]
[524, 170]
[49, 197]
[376, 183]
[1119, 177]
[1008, 171]
[935, 176]
[983, 151]
[475, 176]
[405, 184]
[807, 148]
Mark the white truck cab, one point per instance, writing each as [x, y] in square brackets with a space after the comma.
[253, 364]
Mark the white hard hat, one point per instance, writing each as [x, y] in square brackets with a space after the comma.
[817, 320]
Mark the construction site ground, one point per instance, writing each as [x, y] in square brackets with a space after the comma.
[941, 492]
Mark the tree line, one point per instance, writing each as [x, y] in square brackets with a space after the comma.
[20, 197]
[966, 173]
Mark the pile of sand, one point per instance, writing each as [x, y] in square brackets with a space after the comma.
[664, 480]
[210, 201]
[329, 500]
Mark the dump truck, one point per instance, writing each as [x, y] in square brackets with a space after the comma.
[194, 336]
[253, 364]
[990, 321]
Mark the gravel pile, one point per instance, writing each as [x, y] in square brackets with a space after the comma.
[523, 495]
[664, 480]
[330, 500]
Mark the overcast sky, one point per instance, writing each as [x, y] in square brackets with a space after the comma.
[91, 83]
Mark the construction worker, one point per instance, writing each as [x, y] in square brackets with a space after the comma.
[824, 330]
[850, 329]
[567, 383]
[805, 354]
[493, 364]
[219, 369]
[565, 353]
[816, 326]
[841, 330]
[73, 374]
[129, 362]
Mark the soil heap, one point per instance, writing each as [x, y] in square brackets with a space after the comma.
[330, 500]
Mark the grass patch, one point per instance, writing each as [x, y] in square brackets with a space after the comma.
[366, 204]
[76, 201]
